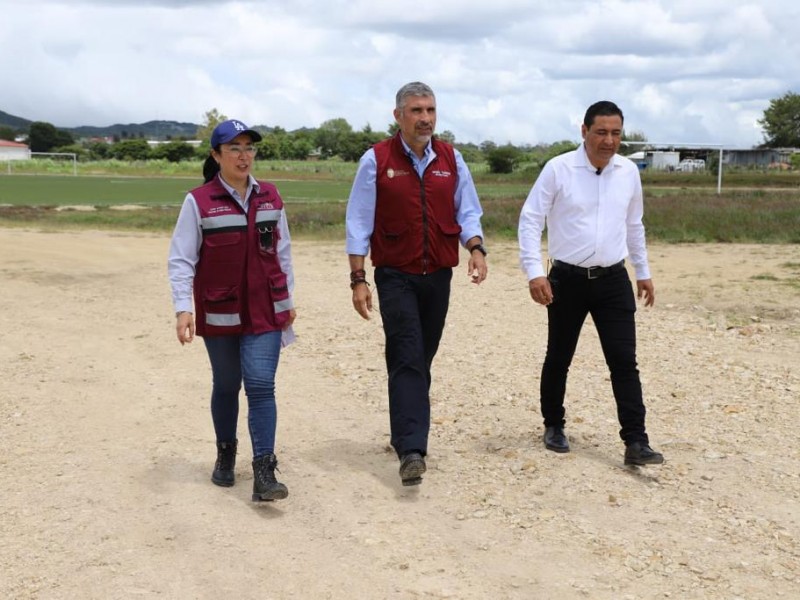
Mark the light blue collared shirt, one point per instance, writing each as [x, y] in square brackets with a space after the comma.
[361, 205]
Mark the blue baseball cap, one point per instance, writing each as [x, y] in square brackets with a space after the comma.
[227, 130]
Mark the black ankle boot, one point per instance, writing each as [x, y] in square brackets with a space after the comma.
[226, 461]
[265, 486]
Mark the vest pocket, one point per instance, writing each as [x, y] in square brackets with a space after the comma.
[447, 244]
[281, 302]
[267, 236]
[222, 306]
[227, 238]
[397, 243]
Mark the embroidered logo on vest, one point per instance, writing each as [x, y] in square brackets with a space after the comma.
[391, 173]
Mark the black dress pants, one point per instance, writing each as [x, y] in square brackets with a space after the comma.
[611, 302]
[413, 309]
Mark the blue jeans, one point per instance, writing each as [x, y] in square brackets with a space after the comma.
[254, 360]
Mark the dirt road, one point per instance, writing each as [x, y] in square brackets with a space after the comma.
[108, 445]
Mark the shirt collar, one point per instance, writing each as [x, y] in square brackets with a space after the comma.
[252, 186]
[412, 154]
[582, 160]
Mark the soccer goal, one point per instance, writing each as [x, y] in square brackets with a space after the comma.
[45, 163]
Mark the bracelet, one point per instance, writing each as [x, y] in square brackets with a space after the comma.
[358, 276]
[479, 248]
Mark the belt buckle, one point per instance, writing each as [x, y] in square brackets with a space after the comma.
[589, 272]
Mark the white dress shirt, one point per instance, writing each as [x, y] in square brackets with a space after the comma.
[592, 220]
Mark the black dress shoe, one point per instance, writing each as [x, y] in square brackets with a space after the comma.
[639, 453]
[555, 439]
[412, 466]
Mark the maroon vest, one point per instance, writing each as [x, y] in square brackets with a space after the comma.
[239, 286]
[415, 219]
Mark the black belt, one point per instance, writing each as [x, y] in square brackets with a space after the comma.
[589, 272]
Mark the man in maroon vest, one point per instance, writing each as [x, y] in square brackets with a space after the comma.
[413, 201]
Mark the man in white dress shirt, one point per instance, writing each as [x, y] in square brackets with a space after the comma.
[590, 200]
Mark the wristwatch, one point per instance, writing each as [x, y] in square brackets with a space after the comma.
[479, 248]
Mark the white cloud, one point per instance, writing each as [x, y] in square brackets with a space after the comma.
[508, 70]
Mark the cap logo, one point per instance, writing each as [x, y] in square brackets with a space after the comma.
[239, 126]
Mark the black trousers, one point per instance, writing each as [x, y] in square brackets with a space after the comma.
[611, 302]
[413, 310]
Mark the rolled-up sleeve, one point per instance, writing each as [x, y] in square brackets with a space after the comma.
[467, 204]
[360, 218]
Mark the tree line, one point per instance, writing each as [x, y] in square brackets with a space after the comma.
[337, 139]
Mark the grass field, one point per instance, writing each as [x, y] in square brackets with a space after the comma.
[754, 207]
[54, 190]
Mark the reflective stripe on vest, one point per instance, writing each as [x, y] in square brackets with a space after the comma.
[223, 319]
[224, 222]
[267, 215]
[283, 305]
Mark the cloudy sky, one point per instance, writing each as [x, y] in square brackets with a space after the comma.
[520, 71]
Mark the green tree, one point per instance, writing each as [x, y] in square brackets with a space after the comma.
[173, 151]
[43, 137]
[503, 159]
[6, 133]
[269, 147]
[98, 150]
[781, 122]
[557, 149]
[487, 146]
[79, 151]
[447, 136]
[331, 135]
[393, 128]
[131, 150]
[354, 145]
[210, 120]
[633, 136]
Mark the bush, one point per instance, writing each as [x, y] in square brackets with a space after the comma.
[503, 159]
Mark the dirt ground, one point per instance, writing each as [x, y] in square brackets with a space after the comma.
[108, 445]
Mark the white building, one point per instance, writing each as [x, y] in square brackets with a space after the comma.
[13, 151]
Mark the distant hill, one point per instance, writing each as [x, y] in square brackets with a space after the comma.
[153, 130]
[14, 122]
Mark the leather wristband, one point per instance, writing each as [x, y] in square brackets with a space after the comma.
[479, 248]
[358, 276]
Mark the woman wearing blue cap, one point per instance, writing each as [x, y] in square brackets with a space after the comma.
[230, 269]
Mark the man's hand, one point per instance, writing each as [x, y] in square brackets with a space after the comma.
[540, 290]
[184, 327]
[477, 268]
[362, 299]
[644, 287]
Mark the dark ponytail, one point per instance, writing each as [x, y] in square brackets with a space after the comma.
[210, 169]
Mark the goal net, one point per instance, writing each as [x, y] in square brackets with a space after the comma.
[44, 163]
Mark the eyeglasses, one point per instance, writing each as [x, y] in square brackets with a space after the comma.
[240, 150]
